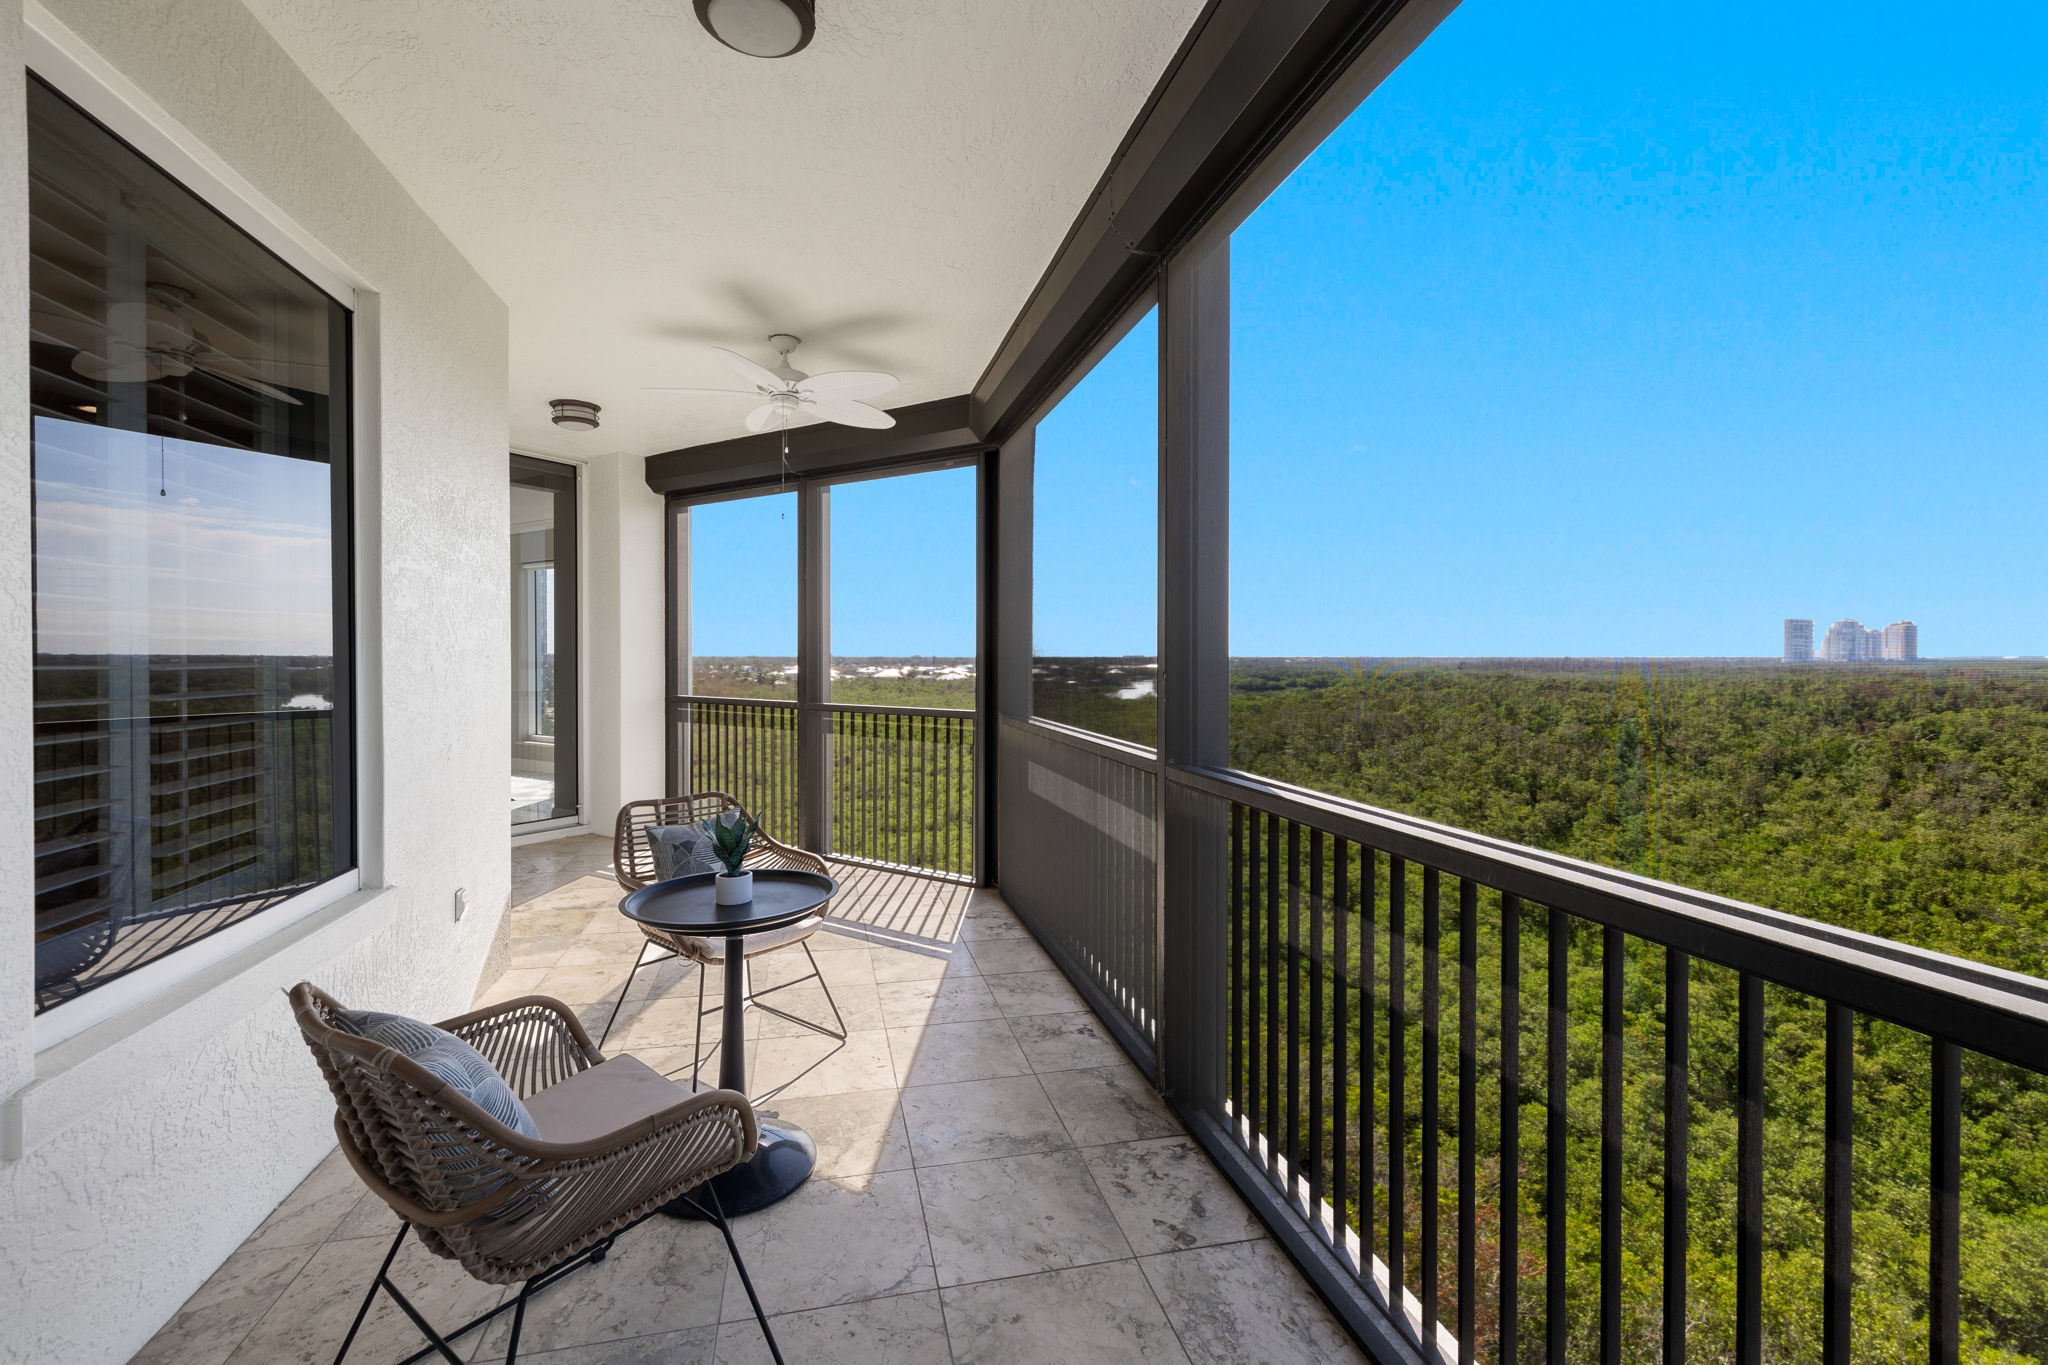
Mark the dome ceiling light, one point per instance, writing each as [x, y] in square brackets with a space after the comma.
[759, 28]
[574, 413]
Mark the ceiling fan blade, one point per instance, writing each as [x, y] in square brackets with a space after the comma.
[129, 367]
[763, 417]
[850, 414]
[673, 388]
[844, 384]
[73, 332]
[749, 371]
[232, 370]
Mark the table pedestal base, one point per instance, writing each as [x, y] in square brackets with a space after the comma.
[782, 1162]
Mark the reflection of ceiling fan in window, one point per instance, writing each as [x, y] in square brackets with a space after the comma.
[154, 340]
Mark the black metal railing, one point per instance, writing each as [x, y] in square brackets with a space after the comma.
[1539, 1111]
[1079, 860]
[746, 748]
[903, 787]
[899, 781]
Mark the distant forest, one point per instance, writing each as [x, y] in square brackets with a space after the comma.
[1906, 801]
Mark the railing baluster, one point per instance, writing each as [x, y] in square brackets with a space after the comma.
[1274, 1143]
[1317, 928]
[1510, 1127]
[1432, 945]
[1555, 1253]
[1368, 1053]
[1468, 1117]
[1839, 1167]
[1944, 1241]
[1397, 1086]
[1677, 1137]
[1613, 960]
[1294, 1144]
[1255, 995]
[1340, 1141]
[1234, 1043]
[1749, 1161]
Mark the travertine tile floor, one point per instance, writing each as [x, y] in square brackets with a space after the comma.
[996, 1183]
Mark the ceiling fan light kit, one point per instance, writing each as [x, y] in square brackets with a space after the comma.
[791, 395]
[141, 342]
[759, 28]
[574, 413]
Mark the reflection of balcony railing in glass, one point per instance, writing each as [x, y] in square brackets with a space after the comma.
[154, 832]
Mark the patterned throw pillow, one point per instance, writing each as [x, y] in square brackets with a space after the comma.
[448, 1057]
[681, 850]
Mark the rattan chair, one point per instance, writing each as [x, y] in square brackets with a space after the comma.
[618, 1143]
[633, 861]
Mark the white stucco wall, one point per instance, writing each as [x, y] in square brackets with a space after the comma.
[143, 1150]
[623, 675]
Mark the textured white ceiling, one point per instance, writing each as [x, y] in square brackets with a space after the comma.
[637, 192]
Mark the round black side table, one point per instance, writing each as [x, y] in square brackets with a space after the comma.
[689, 905]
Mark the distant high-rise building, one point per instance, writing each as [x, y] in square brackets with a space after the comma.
[1798, 641]
[1901, 642]
[1844, 642]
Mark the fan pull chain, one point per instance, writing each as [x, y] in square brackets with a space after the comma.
[783, 486]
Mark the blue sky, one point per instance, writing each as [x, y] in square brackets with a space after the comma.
[902, 570]
[214, 550]
[1605, 331]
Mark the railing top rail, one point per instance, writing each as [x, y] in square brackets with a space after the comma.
[1986, 1009]
[866, 708]
[771, 702]
[870, 708]
[1116, 750]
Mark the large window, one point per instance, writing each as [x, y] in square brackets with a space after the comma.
[192, 701]
[1584, 386]
[1636, 357]
[1095, 547]
[903, 590]
[543, 566]
[743, 598]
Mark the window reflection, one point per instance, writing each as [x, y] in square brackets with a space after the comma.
[191, 685]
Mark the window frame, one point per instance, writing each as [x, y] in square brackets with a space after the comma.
[1144, 303]
[60, 60]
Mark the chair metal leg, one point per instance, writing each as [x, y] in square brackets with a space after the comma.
[435, 1338]
[364, 1311]
[518, 1321]
[716, 1215]
[627, 990]
[697, 1043]
[518, 1302]
[755, 999]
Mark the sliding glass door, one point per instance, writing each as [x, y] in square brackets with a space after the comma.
[542, 564]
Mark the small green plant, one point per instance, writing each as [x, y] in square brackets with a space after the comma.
[732, 834]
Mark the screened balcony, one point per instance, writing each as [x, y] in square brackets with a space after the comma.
[1326, 869]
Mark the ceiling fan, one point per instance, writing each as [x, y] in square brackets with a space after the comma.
[170, 345]
[793, 395]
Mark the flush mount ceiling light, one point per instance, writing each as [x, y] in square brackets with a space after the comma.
[759, 28]
[575, 413]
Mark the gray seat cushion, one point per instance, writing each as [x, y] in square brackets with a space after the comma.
[681, 851]
[598, 1102]
[447, 1057]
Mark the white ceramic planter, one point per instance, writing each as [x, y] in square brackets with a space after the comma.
[734, 890]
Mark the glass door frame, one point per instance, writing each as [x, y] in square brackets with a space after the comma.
[814, 705]
[568, 620]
